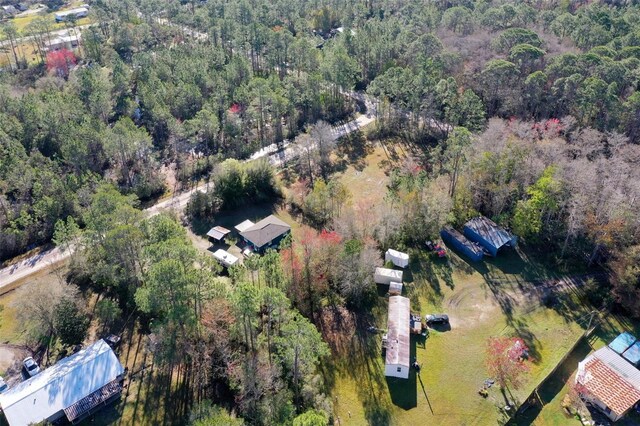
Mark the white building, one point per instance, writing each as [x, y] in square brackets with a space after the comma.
[79, 12]
[386, 276]
[63, 42]
[398, 338]
[401, 260]
[609, 382]
[225, 258]
[74, 387]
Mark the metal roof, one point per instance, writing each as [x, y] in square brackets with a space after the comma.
[241, 227]
[490, 231]
[398, 333]
[622, 342]
[611, 379]
[472, 246]
[391, 273]
[217, 232]
[265, 231]
[61, 385]
[633, 354]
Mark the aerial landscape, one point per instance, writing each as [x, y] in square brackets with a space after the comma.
[312, 213]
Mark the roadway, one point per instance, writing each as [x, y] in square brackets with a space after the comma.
[277, 155]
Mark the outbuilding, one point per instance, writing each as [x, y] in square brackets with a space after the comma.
[632, 354]
[398, 338]
[395, 288]
[387, 276]
[74, 388]
[399, 259]
[609, 382]
[225, 258]
[622, 342]
[217, 234]
[461, 243]
[265, 234]
[489, 234]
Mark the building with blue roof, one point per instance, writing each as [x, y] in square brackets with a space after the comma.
[633, 354]
[461, 243]
[488, 234]
[622, 342]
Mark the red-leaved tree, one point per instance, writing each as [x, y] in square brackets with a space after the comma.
[506, 360]
[309, 262]
[60, 62]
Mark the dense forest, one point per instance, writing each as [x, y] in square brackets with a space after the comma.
[526, 112]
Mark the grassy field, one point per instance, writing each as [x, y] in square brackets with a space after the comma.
[480, 305]
[490, 298]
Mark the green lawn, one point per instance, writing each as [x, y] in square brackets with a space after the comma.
[486, 299]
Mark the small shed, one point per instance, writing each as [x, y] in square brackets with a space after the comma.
[241, 227]
[633, 354]
[225, 258]
[622, 342]
[395, 288]
[401, 260]
[386, 276]
[461, 243]
[489, 234]
[398, 338]
[217, 234]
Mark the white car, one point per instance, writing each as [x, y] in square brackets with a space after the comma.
[3, 385]
[31, 366]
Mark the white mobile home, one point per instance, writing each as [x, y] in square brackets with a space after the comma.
[401, 260]
[74, 388]
[398, 338]
[225, 258]
[78, 13]
[386, 276]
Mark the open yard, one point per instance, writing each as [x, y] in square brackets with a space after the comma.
[491, 299]
[512, 295]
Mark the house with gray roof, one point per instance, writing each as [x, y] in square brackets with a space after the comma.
[265, 234]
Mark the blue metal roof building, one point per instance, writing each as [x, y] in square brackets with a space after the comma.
[488, 234]
[633, 354]
[622, 342]
[461, 243]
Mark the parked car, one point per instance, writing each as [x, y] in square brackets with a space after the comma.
[3, 385]
[31, 366]
[437, 319]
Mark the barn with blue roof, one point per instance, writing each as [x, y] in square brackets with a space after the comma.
[633, 354]
[489, 235]
[622, 342]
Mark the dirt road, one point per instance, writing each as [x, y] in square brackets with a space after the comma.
[178, 202]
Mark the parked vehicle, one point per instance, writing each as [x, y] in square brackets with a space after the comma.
[31, 366]
[3, 385]
[437, 319]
